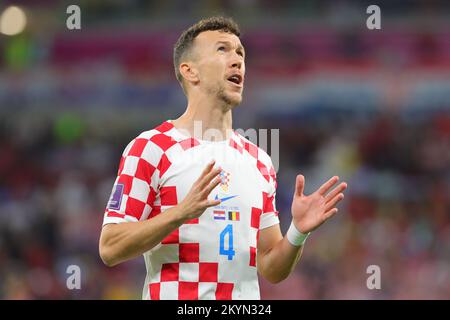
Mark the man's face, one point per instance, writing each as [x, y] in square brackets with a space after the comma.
[219, 58]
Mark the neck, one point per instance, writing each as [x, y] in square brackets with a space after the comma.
[215, 119]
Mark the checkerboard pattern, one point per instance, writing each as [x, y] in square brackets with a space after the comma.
[142, 164]
[265, 167]
[178, 270]
[263, 161]
[190, 279]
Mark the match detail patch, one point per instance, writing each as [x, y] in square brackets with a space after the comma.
[116, 197]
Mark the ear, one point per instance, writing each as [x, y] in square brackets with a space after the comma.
[189, 72]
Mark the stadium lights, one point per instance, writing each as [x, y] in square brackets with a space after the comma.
[12, 21]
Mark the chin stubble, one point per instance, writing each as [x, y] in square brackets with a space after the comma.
[225, 98]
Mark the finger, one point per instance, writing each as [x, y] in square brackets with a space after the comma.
[327, 185]
[207, 169]
[341, 187]
[330, 213]
[299, 185]
[209, 177]
[211, 203]
[332, 203]
[211, 186]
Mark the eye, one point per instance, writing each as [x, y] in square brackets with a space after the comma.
[221, 48]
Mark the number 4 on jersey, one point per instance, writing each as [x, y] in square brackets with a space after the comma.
[227, 252]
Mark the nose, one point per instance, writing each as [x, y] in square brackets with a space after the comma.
[237, 63]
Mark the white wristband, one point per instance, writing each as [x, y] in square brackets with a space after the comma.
[295, 237]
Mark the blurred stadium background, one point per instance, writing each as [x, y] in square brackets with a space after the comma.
[370, 106]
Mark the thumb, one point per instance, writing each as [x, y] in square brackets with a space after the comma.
[299, 185]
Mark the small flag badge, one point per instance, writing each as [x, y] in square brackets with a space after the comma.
[233, 215]
[219, 215]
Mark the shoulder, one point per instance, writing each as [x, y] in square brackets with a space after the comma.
[152, 144]
[262, 159]
[258, 153]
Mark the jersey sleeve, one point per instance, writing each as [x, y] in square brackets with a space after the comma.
[136, 184]
[269, 216]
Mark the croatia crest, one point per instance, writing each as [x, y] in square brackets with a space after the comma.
[224, 180]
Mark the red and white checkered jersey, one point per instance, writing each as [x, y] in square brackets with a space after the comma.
[213, 256]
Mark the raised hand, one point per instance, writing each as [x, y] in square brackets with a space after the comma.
[309, 212]
[196, 201]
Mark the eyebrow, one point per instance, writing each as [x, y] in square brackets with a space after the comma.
[241, 47]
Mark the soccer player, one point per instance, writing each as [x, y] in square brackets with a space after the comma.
[202, 210]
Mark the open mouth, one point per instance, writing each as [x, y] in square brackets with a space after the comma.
[236, 79]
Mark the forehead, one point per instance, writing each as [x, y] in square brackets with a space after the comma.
[211, 37]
